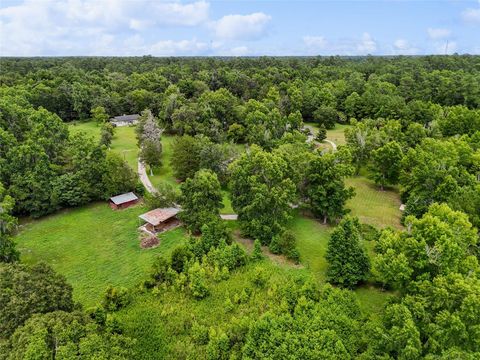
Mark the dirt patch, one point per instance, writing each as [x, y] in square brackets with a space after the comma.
[149, 242]
[278, 259]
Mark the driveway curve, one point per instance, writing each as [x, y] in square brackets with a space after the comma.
[142, 174]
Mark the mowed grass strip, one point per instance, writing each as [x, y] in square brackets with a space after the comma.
[93, 246]
[124, 141]
[373, 206]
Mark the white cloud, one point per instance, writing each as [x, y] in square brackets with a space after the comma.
[403, 47]
[367, 45]
[82, 27]
[182, 47]
[320, 45]
[317, 42]
[175, 13]
[471, 15]
[438, 33]
[241, 27]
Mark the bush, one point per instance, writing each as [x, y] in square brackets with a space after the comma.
[257, 253]
[200, 334]
[213, 234]
[231, 256]
[166, 196]
[369, 232]
[259, 277]
[283, 243]
[115, 299]
[197, 279]
[180, 256]
[97, 314]
[293, 255]
[159, 272]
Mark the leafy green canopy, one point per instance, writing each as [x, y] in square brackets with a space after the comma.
[201, 200]
[261, 193]
[25, 291]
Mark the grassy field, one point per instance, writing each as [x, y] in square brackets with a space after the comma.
[124, 142]
[312, 241]
[372, 206]
[89, 127]
[164, 173]
[337, 135]
[93, 246]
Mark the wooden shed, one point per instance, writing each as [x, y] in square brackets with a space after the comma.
[123, 201]
[158, 220]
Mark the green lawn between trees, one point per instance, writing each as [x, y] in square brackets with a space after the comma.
[94, 246]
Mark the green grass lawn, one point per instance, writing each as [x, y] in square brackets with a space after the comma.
[93, 246]
[89, 127]
[124, 141]
[337, 135]
[164, 173]
[372, 206]
[312, 241]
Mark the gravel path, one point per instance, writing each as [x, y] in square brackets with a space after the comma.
[142, 174]
[334, 146]
[311, 137]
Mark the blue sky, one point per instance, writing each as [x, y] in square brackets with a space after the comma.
[170, 27]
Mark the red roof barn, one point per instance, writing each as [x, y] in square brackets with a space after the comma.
[123, 201]
[160, 219]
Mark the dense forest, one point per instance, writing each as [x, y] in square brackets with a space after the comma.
[251, 128]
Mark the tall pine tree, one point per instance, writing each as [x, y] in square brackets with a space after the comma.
[348, 263]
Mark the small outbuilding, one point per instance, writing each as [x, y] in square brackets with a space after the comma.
[159, 220]
[123, 201]
[125, 120]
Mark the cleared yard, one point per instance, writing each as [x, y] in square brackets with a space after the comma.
[312, 241]
[337, 135]
[93, 246]
[372, 206]
[124, 141]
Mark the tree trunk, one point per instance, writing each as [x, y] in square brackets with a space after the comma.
[151, 171]
[325, 219]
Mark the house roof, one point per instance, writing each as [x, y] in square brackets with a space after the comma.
[156, 216]
[123, 198]
[131, 117]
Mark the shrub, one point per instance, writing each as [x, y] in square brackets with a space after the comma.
[180, 256]
[159, 272]
[369, 232]
[200, 334]
[259, 277]
[230, 256]
[283, 243]
[166, 196]
[115, 299]
[293, 255]
[197, 279]
[257, 253]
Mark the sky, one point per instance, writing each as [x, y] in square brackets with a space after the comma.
[237, 28]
